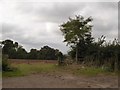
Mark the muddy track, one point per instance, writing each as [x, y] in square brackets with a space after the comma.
[60, 81]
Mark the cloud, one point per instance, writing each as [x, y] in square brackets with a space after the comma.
[33, 39]
[105, 18]
[52, 11]
[35, 24]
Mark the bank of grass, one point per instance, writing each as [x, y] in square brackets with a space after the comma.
[27, 69]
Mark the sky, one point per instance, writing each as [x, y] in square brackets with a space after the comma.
[35, 24]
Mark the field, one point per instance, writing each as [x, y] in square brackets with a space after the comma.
[20, 61]
[41, 74]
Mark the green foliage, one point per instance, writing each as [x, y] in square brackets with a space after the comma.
[21, 53]
[48, 53]
[5, 63]
[16, 51]
[45, 53]
[13, 50]
[75, 29]
[84, 47]
[33, 54]
[99, 53]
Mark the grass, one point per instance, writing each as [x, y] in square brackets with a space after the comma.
[26, 69]
[90, 71]
[86, 71]
[0, 74]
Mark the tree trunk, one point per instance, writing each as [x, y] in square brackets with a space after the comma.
[76, 54]
[28, 62]
[116, 64]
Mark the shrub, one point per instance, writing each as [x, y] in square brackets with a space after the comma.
[5, 63]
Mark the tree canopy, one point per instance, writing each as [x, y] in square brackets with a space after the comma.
[16, 51]
[75, 29]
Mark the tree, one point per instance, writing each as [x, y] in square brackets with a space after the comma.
[13, 50]
[7, 46]
[84, 47]
[60, 57]
[33, 54]
[75, 30]
[16, 51]
[21, 53]
[47, 53]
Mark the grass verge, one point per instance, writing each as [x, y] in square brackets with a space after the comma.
[26, 69]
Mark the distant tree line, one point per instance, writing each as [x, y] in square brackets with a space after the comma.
[16, 51]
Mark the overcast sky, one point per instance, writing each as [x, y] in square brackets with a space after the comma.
[35, 24]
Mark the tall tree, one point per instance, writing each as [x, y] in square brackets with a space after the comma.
[21, 53]
[7, 46]
[33, 54]
[13, 49]
[75, 30]
[47, 53]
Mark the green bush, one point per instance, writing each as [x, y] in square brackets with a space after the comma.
[5, 63]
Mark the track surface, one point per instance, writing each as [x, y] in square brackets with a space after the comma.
[60, 81]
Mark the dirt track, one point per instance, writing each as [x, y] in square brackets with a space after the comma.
[60, 81]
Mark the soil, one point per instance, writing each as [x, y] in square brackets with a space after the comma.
[45, 80]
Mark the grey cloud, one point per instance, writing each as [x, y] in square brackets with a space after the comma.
[18, 34]
[104, 19]
[35, 35]
[51, 12]
[8, 28]
[108, 5]
[10, 31]
[104, 27]
[119, 21]
[59, 12]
